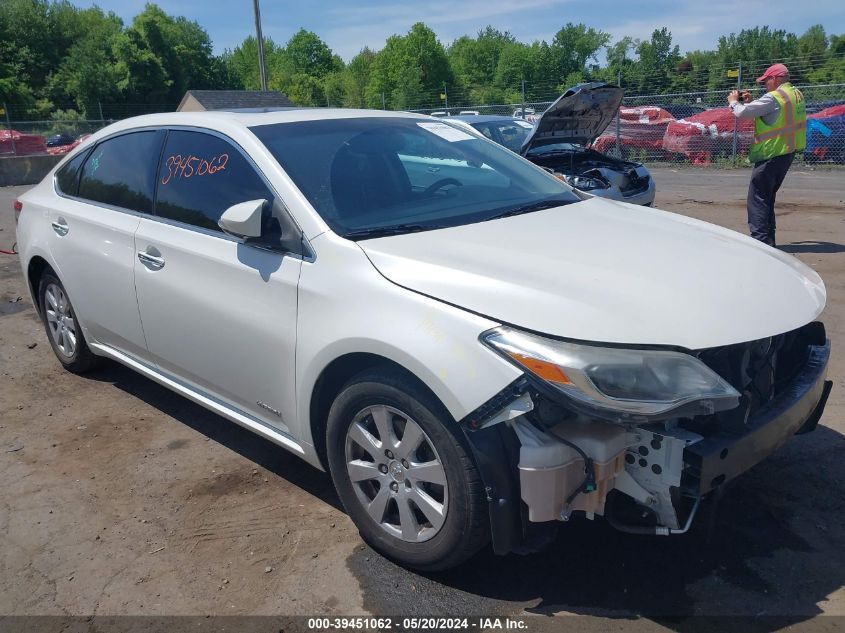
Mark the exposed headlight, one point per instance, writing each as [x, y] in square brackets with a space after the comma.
[585, 183]
[618, 383]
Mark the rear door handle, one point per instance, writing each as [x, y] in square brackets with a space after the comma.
[60, 227]
[151, 261]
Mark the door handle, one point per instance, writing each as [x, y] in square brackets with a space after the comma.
[151, 261]
[60, 227]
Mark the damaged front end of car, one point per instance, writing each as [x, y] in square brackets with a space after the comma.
[561, 139]
[638, 436]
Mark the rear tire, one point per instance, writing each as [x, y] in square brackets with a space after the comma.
[62, 327]
[416, 497]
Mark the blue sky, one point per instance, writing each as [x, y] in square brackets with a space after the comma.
[348, 26]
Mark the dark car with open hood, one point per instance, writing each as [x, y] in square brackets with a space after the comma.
[561, 141]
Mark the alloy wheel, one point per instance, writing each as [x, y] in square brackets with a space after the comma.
[60, 320]
[396, 473]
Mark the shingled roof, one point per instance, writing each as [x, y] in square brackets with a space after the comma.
[232, 99]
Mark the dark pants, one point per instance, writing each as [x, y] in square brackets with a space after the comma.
[766, 179]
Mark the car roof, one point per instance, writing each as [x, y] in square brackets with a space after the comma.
[483, 118]
[227, 120]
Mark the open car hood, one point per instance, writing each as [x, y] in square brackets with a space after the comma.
[606, 271]
[578, 116]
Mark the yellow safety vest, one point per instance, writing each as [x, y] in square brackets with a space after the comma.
[788, 133]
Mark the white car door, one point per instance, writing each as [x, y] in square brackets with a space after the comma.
[92, 238]
[218, 314]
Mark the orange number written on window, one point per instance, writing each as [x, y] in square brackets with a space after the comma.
[190, 166]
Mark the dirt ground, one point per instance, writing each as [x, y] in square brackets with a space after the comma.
[120, 497]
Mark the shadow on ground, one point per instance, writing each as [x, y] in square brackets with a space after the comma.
[775, 555]
[813, 247]
[246, 443]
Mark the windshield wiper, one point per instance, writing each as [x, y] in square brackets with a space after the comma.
[534, 206]
[395, 229]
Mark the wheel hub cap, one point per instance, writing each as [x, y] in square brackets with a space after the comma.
[396, 473]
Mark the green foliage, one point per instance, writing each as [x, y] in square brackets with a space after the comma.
[306, 53]
[88, 73]
[355, 78]
[573, 46]
[658, 60]
[54, 53]
[410, 70]
[474, 61]
[242, 63]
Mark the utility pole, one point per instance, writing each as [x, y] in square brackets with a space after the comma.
[446, 96]
[618, 112]
[523, 99]
[260, 40]
[736, 121]
[11, 132]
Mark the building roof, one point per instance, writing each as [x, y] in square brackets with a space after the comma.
[233, 99]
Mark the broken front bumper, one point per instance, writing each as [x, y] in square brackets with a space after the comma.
[654, 466]
[719, 458]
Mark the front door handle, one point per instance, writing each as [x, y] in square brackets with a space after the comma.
[60, 227]
[151, 261]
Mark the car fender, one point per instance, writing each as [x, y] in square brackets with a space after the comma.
[437, 342]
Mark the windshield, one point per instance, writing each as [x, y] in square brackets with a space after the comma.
[511, 133]
[371, 175]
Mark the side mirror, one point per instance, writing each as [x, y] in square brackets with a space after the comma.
[243, 219]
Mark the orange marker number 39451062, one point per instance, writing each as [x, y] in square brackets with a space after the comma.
[180, 167]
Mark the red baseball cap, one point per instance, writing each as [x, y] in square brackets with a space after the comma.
[775, 70]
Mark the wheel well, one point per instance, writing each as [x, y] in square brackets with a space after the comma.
[37, 267]
[333, 378]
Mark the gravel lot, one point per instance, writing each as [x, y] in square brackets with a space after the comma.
[120, 497]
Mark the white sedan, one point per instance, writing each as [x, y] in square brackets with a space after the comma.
[473, 349]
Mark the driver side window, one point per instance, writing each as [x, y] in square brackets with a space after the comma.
[201, 176]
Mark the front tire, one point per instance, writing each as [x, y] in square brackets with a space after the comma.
[63, 330]
[403, 474]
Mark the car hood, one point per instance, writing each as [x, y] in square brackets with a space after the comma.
[607, 271]
[578, 116]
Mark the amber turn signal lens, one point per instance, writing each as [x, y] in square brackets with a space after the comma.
[543, 369]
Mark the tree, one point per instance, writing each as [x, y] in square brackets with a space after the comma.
[302, 69]
[515, 65]
[813, 43]
[242, 62]
[833, 68]
[474, 61]
[620, 61]
[141, 75]
[89, 72]
[182, 47]
[355, 76]
[756, 48]
[573, 46]
[410, 71]
[27, 53]
[658, 60]
[305, 53]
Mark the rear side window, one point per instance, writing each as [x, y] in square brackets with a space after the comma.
[201, 176]
[121, 171]
[67, 178]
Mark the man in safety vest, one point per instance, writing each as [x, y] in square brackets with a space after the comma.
[780, 130]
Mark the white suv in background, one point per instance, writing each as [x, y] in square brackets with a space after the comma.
[473, 349]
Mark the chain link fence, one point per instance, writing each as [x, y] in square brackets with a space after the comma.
[692, 127]
[660, 127]
[62, 129]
